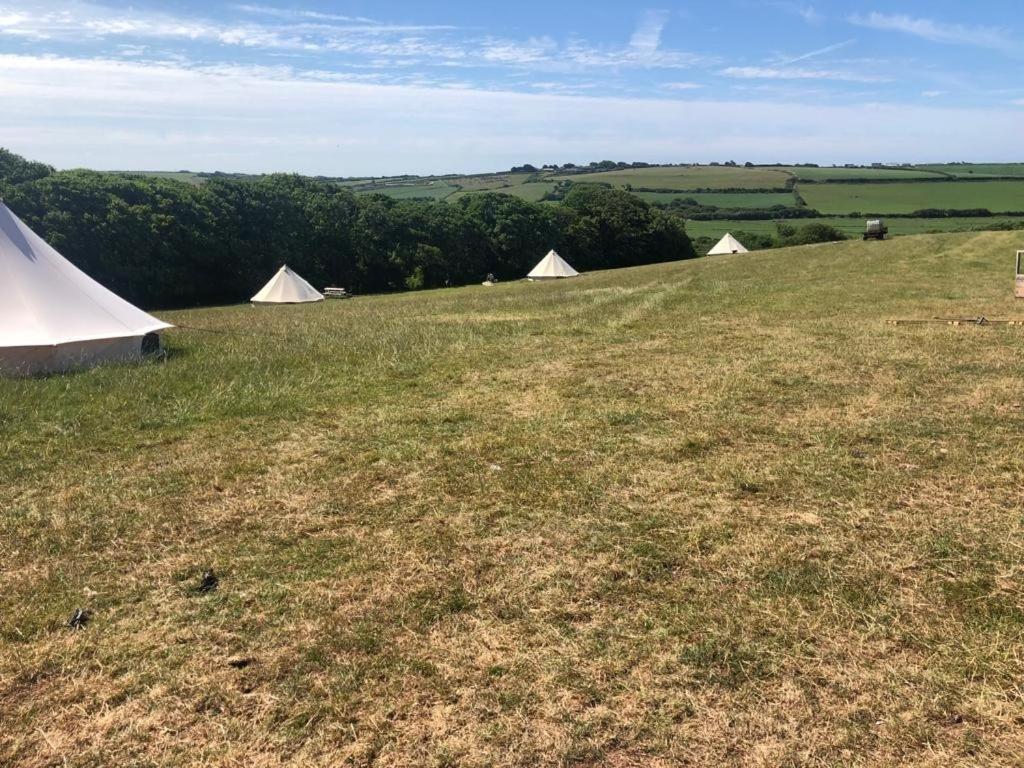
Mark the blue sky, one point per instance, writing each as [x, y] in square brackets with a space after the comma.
[353, 88]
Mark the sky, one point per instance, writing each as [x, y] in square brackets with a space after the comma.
[355, 88]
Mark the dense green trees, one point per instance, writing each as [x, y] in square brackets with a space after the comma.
[164, 243]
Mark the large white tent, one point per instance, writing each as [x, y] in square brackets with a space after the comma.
[552, 267]
[286, 287]
[727, 244]
[54, 317]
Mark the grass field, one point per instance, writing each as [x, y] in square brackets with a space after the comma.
[997, 196]
[852, 227]
[431, 190]
[705, 513]
[187, 176]
[724, 199]
[532, 191]
[690, 177]
[979, 169]
[893, 174]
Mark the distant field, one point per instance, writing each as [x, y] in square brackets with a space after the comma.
[912, 196]
[186, 176]
[532, 192]
[826, 174]
[850, 227]
[690, 177]
[723, 199]
[981, 169]
[492, 182]
[437, 190]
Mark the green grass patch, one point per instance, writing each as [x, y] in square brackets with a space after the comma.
[853, 227]
[431, 190]
[689, 177]
[869, 174]
[723, 199]
[996, 196]
[648, 516]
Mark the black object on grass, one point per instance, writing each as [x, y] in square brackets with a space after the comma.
[208, 583]
[79, 618]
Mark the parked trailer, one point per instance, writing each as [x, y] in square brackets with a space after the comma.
[875, 230]
[1018, 283]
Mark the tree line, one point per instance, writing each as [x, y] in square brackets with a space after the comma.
[166, 243]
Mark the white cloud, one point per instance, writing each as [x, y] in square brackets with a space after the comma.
[117, 114]
[684, 86]
[799, 73]
[808, 13]
[647, 36]
[818, 52]
[292, 13]
[939, 32]
[362, 41]
[932, 94]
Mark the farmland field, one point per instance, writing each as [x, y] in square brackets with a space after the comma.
[532, 191]
[699, 513]
[435, 190]
[979, 169]
[690, 177]
[889, 174]
[492, 182]
[723, 199]
[186, 176]
[997, 196]
[852, 227]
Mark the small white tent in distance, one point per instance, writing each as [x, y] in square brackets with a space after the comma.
[727, 244]
[54, 317]
[286, 287]
[552, 267]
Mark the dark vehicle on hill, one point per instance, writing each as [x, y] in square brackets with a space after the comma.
[875, 230]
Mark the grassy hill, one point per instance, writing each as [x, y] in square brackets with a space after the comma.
[700, 512]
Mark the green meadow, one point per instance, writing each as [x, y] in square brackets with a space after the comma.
[853, 227]
[868, 174]
[976, 169]
[706, 512]
[723, 199]
[996, 196]
[688, 177]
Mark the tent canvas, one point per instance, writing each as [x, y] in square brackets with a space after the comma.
[54, 317]
[286, 287]
[727, 244]
[552, 267]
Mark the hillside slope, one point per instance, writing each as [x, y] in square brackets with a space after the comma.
[712, 512]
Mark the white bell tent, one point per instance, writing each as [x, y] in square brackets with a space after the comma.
[552, 267]
[727, 244]
[286, 287]
[54, 317]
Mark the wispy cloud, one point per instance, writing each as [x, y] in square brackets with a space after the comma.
[647, 36]
[819, 52]
[994, 38]
[800, 73]
[684, 86]
[64, 111]
[292, 13]
[807, 12]
[363, 41]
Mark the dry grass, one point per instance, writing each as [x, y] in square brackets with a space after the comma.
[706, 513]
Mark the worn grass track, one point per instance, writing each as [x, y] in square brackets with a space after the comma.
[706, 513]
